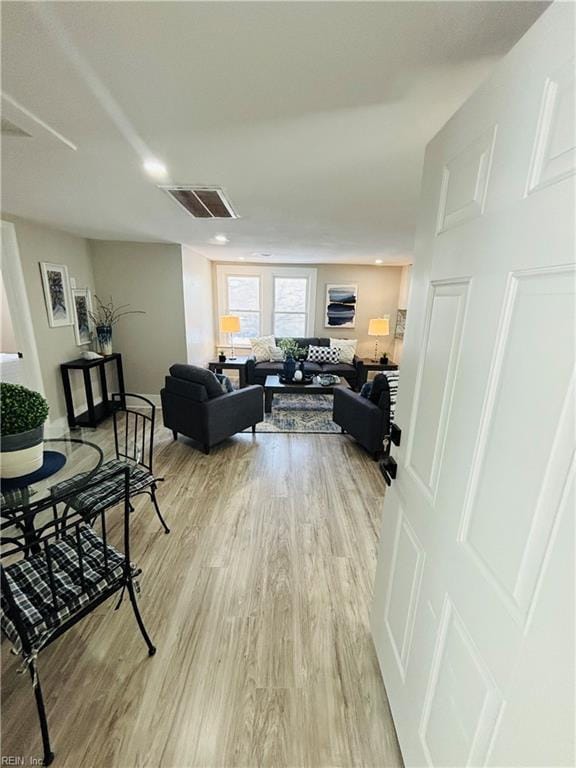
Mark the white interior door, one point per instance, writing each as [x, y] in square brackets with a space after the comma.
[473, 615]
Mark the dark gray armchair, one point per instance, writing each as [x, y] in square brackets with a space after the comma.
[366, 419]
[194, 404]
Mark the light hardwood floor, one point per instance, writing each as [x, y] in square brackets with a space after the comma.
[258, 602]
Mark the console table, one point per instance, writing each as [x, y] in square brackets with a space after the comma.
[236, 364]
[375, 365]
[95, 413]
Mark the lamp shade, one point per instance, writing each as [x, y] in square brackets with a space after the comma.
[229, 323]
[379, 326]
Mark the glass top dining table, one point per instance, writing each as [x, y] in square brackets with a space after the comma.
[64, 460]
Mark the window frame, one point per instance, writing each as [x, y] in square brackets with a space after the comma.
[229, 311]
[288, 312]
[267, 274]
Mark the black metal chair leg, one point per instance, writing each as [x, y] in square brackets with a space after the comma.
[48, 754]
[157, 508]
[151, 648]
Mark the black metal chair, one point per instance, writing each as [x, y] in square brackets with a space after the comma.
[55, 570]
[134, 444]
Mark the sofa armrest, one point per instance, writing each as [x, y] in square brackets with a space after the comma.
[250, 370]
[359, 365]
[237, 399]
[361, 418]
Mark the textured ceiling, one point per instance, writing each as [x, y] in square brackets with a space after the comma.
[312, 116]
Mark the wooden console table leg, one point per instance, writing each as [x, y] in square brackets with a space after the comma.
[104, 386]
[120, 373]
[68, 398]
[89, 397]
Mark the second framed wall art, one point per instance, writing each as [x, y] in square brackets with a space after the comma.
[82, 309]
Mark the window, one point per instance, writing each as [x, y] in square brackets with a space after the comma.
[244, 300]
[290, 305]
[269, 300]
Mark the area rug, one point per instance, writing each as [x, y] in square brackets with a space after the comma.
[300, 413]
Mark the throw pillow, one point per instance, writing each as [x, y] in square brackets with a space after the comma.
[366, 389]
[276, 355]
[387, 380]
[323, 354]
[347, 349]
[392, 377]
[225, 383]
[261, 348]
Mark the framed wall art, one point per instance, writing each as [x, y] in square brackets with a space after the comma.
[341, 301]
[57, 294]
[82, 309]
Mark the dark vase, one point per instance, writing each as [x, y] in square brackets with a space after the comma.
[104, 335]
[221, 358]
[289, 368]
[384, 360]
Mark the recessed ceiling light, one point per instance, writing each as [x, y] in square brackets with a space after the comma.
[222, 239]
[241, 258]
[155, 168]
[260, 255]
[378, 261]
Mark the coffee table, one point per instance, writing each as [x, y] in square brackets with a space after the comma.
[273, 386]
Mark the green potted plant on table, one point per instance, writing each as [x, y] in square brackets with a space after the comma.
[292, 352]
[23, 413]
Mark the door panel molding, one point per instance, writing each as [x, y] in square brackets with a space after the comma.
[401, 636]
[464, 694]
[554, 151]
[465, 180]
[555, 440]
[424, 461]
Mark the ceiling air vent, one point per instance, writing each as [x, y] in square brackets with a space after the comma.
[202, 202]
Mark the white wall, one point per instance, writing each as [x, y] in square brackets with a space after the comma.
[198, 307]
[37, 243]
[378, 289]
[8, 343]
[378, 294]
[147, 276]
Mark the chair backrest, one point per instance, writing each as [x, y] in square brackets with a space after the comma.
[134, 429]
[32, 532]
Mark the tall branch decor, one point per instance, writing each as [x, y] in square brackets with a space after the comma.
[105, 316]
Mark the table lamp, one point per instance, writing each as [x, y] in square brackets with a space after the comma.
[378, 326]
[230, 324]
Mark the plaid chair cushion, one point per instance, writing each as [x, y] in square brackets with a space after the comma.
[109, 491]
[29, 582]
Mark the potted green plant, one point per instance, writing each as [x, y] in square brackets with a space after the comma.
[292, 352]
[21, 430]
[105, 317]
[221, 356]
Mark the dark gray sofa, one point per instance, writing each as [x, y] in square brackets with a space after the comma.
[256, 372]
[366, 420]
[194, 405]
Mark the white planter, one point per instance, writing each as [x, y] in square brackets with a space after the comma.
[21, 454]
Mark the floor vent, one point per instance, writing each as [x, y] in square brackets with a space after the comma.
[202, 202]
